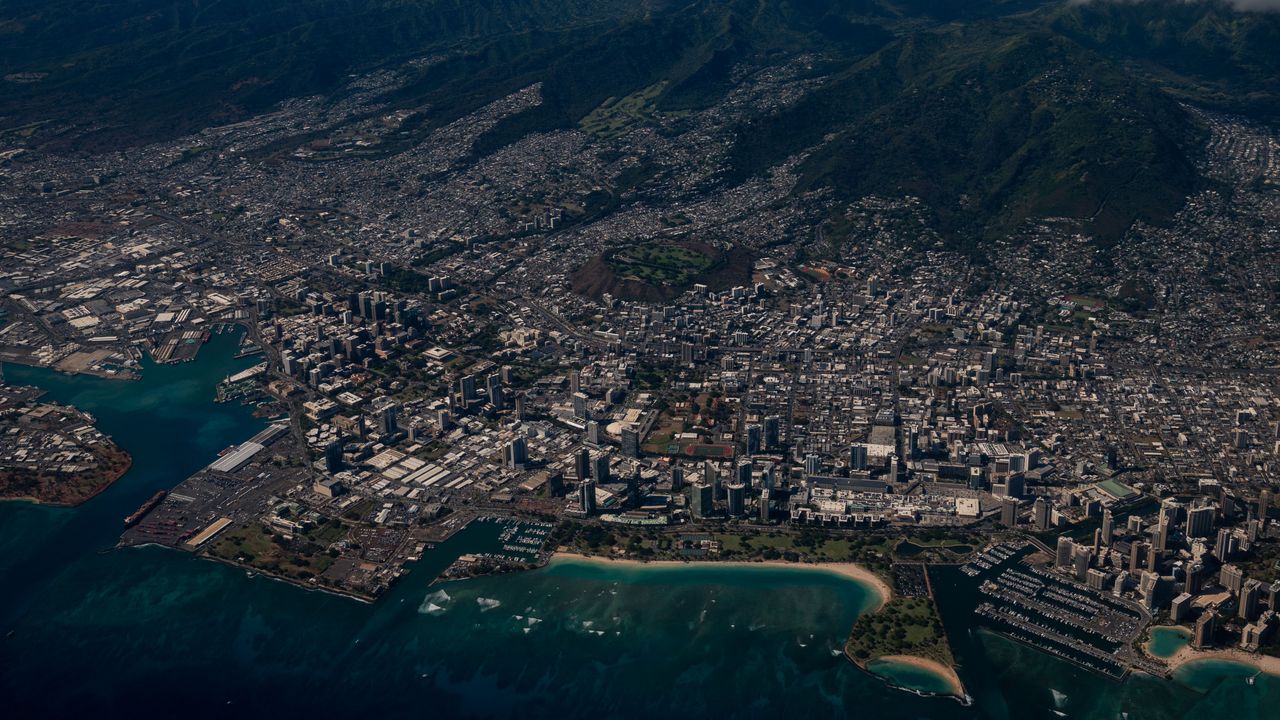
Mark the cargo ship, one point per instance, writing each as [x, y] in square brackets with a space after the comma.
[147, 507]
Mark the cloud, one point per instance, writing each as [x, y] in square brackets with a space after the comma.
[1241, 5]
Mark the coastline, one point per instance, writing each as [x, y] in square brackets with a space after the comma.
[1263, 663]
[851, 571]
[926, 664]
[107, 482]
[1149, 651]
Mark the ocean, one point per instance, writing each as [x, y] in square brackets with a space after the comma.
[148, 632]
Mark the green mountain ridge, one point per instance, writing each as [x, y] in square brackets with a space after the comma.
[993, 111]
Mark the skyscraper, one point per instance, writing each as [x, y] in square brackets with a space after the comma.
[601, 469]
[1108, 526]
[333, 455]
[1040, 512]
[1200, 520]
[1231, 578]
[1203, 636]
[1065, 549]
[702, 500]
[1250, 593]
[737, 494]
[587, 496]
[772, 432]
[858, 457]
[493, 385]
[516, 453]
[630, 442]
[1009, 512]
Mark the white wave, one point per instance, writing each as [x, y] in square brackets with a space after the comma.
[1059, 698]
[430, 608]
[487, 603]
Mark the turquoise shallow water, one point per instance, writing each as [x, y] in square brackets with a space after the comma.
[1167, 641]
[153, 633]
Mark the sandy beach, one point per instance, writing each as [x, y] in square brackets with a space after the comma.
[930, 666]
[849, 570]
[1266, 663]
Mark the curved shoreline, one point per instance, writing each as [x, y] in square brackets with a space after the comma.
[1150, 651]
[928, 665]
[851, 571]
[1188, 656]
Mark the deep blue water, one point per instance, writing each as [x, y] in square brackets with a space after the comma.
[154, 633]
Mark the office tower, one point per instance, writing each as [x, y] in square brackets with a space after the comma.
[1153, 557]
[895, 468]
[575, 382]
[1065, 549]
[1040, 511]
[1096, 579]
[858, 457]
[1200, 520]
[601, 469]
[1083, 558]
[1108, 526]
[507, 374]
[1015, 485]
[1264, 504]
[630, 442]
[744, 470]
[593, 433]
[633, 489]
[709, 475]
[1231, 578]
[1195, 578]
[387, 420]
[1161, 539]
[754, 438]
[580, 406]
[333, 455]
[1203, 636]
[737, 499]
[677, 478]
[493, 385]
[1009, 512]
[1250, 593]
[467, 388]
[587, 496]
[1148, 585]
[519, 407]
[1136, 548]
[764, 505]
[772, 432]
[582, 464]
[768, 475]
[1224, 545]
[516, 453]
[702, 500]
[812, 464]
[1179, 607]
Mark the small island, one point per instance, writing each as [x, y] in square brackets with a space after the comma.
[52, 454]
